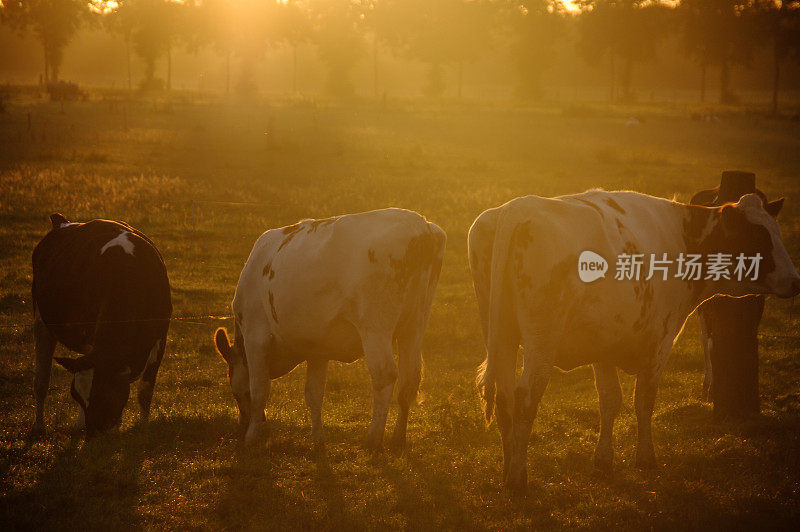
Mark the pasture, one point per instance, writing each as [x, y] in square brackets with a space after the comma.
[204, 178]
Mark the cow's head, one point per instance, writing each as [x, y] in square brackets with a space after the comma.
[101, 392]
[749, 227]
[238, 373]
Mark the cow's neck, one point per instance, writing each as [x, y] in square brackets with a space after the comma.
[702, 235]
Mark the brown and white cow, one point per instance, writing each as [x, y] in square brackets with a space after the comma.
[524, 261]
[100, 288]
[334, 289]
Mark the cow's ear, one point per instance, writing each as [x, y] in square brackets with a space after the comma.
[57, 219]
[222, 343]
[74, 365]
[774, 207]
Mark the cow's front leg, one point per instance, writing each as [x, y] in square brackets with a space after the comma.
[147, 382]
[527, 395]
[609, 396]
[644, 401]
[383, 372]
[316, 371]
[80, 423]
[258, 366]
[45, 345]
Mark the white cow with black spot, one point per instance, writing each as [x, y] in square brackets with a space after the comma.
[524, 261]
[334, 289]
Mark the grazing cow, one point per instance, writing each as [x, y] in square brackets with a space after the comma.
[524, 261]
[334, 289]
[101, 289]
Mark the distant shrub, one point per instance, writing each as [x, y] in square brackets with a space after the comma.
[579, 111]
[61, 91]
[151, 85]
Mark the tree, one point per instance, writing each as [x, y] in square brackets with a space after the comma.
[240, 28]
[118, 19]
[295, 29]
[720, 33]
[155, 28]
[442, 33]
[625, 30]
[779, 24]
[536, 27]
[340, 42]
[54, 22]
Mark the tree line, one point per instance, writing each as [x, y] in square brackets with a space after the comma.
[716, 34]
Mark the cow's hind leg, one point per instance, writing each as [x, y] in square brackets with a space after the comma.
[316, 371]
[644, 401]
[144, 392]
[609, 396]
[45, 345]
[383, 373]
[505, 375]
[527, 395]
[409, 365]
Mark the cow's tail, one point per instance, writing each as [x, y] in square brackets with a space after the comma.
[499, 296]
[224, 345]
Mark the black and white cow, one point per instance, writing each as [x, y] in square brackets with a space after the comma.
[334, 289]
[524, 261]
[100, 288]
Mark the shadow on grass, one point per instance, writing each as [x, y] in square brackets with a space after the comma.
[96, 484]
[263, 487]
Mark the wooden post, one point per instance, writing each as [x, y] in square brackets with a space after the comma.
[733, 329]
[732, 324]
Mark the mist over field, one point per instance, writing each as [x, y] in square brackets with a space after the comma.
[240, 116]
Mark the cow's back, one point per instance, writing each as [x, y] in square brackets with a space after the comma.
[314, 282]
[101, 286]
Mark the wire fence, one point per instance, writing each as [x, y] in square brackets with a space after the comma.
[197, 319]
[203, 319]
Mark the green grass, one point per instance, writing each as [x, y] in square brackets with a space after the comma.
[169, 169]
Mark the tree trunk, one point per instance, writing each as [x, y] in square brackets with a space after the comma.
[613, 91]
[703, 83]
[169, 67]
[776, 74]
[228, 73]
[724, 82]
[375, 64]
[294, 68]
[128, 59]
[460, 77]
[627, 72]
[46, 66]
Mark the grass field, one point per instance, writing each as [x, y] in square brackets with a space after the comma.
[203, 180]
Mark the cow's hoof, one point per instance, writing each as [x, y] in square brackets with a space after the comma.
[37, 432]
[517, 482]
[255, 432]
[318, 443]
[397, 445]
[604, 465]
[646, 462]
[373, 444]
